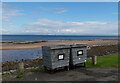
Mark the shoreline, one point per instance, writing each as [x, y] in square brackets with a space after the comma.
[39, 44]
[98, 51]
[95, 50]
[53, 40]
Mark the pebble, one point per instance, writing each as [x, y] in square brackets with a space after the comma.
[9, 72]
[12, 71]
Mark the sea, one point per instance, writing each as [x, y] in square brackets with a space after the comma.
[17, 55]
[52, 37]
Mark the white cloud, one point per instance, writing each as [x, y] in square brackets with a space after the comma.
[62, 11]
[78, 23]
[3, 31]
[34, 31]
[53, 10]
[9, 12]
[95, 22]
[47, 26]
[59, 10]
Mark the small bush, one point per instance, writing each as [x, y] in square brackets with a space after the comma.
[20, 75]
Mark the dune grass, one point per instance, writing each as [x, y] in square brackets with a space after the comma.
[105, 61]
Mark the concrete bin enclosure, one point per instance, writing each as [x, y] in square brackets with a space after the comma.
[64, 55]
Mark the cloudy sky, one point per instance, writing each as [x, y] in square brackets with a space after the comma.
[70, 18]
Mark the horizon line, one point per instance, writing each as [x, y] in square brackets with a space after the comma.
[58, 35]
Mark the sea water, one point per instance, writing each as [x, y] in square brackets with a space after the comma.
[52, 37]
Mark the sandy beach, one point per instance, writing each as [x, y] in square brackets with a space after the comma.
[40, 44]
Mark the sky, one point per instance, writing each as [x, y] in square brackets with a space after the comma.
[60, 18]
[60, 0]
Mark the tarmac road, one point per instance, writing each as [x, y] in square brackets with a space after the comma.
[78, 74]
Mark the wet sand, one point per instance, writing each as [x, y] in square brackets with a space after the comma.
[40, 44]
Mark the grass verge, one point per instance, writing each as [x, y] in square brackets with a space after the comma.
[105, 61]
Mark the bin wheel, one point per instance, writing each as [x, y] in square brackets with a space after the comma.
[84, 64]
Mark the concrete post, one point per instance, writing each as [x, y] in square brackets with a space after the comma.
[94, 60]
[21, 67]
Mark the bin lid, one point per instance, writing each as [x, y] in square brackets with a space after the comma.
[79, 45]
[58, 46]
[67, 46]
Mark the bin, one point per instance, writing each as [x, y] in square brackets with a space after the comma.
[56, 56]
[78, 54]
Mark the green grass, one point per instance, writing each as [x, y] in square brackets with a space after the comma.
[105, 61]
[36, 70]
[20, 75]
